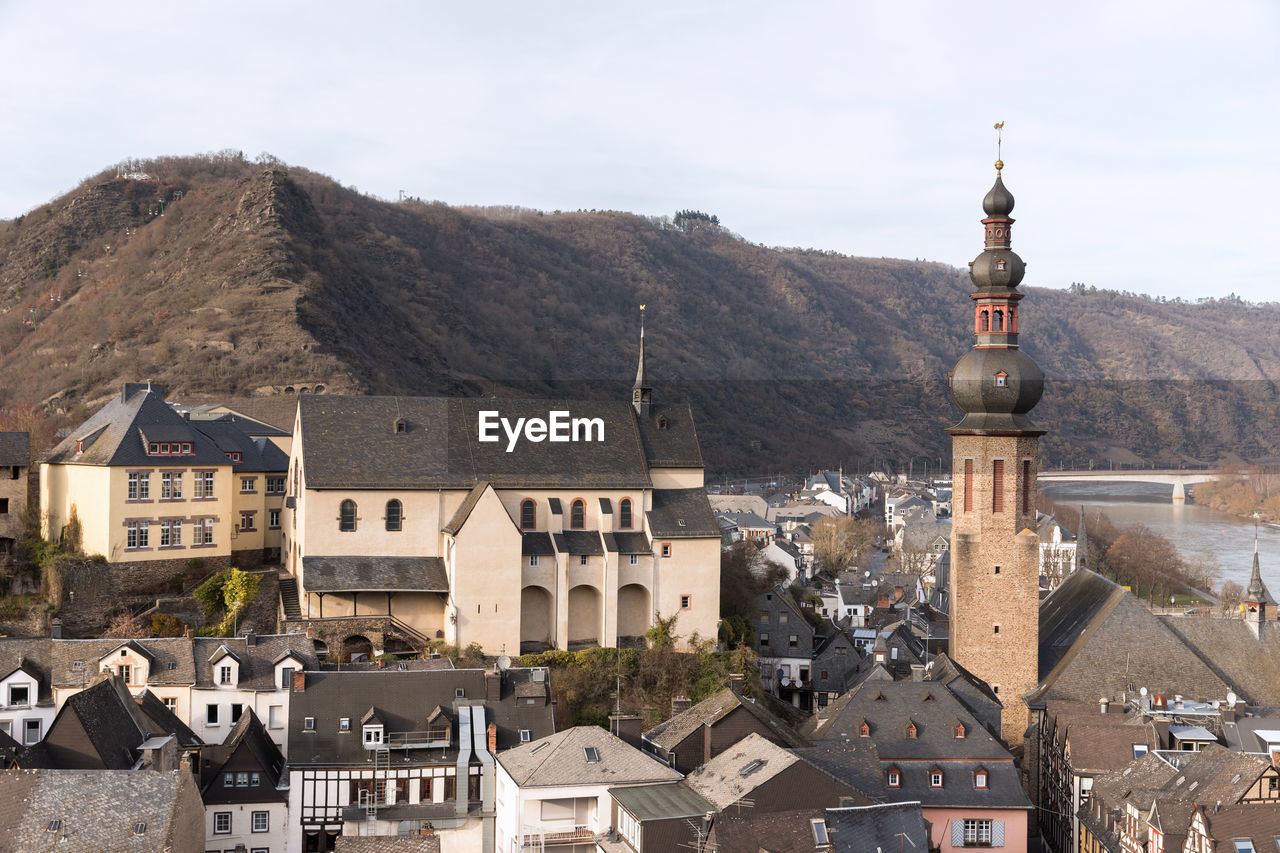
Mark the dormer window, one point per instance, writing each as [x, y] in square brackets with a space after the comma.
[935, 778]
[959, 731]
[373, 736]
[400, 426]
[980, 779]
[1002, 379]
[911, 731]
[79, 446]
[894, 778]
[864, 730]
[662, 423]
[1000, 265]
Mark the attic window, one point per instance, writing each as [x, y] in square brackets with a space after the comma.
[173, 664]
[54, 826]
[980, 779]
[524, 735]
[400, 425]
[139, 828]
[662, 423]
[592, 754]
[911, 730]
[864, 730]
[459, 692]
[79, 445]
[235, 456]
[77, 665]
[819, 826]
[894, 778]
[959, 731]
[1000, 266]
[344, 724]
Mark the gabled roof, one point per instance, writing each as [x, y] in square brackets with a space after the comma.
[351, 443]
[112, 722]
[1137, 782]
[669, 437]
[257, 661]
[257, 454]
[463, 512]
[160, 721]
[669, 734]
[861, 828]
[1225, 644]
[561, 759]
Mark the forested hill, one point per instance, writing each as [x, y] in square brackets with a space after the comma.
[217, 276]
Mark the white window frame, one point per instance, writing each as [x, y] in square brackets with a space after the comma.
[634, 559]
[222, 823]
[266, 822]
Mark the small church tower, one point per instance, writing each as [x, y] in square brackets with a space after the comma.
[641, 393]
[995, 576]
[1256, 598]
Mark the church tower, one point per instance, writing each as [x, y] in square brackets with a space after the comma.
[641, 392]
[1256, 598]
[995, 557]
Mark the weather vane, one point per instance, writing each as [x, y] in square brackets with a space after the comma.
[999, 134]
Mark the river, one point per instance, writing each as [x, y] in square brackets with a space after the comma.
[1196, 531]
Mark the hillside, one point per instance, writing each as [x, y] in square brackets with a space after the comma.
[257, 279]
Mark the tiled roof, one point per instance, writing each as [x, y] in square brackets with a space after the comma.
[32, 654]
[256, 454]
[628, 542]
[1138, 782]
[387, 844]
[748, 831]
[1099, 747]
[561, 760]
[536, 544]
[401, 574]
[1259, 822]
[1249, 664]
[15, 448]
[113, 436]
[1214, 774]
[97, 810]
[856, 763]
[352, 442]
[257, 661]
[112, 723]
[1003, 791]
[463, 512]
[661, 801]
[682, 513]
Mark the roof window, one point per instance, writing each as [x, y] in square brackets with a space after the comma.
[592, 754]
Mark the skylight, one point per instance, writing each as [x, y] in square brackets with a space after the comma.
[592, 754]
[819, 831]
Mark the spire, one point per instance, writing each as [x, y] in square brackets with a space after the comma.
[1257, 592]
[1082, 544]
[641, 393]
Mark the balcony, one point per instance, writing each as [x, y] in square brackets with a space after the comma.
[537, 836]
[411, 740]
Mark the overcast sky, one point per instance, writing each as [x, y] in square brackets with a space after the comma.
[1141, 138]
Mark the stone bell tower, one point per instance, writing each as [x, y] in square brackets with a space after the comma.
[995, 554]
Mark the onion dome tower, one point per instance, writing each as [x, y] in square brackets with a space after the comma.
[995, 551]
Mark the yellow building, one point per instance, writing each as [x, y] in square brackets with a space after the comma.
[514, 524]
[153, 490]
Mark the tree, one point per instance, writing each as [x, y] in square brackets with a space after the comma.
[1230, 596]
[839, 542]
[913, 560]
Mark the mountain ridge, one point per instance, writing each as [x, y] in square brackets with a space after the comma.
[217, 276]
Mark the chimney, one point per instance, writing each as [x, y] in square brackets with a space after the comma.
[917, 672]
[251, 639]
[1102, 705]
[55, 629]
[493, 686]
[493, 738]
[626, 727]
[735, 682]
[680, 704]
[299, 681]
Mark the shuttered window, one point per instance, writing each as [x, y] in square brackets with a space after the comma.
[997, 486]
[1026, 486]
[968, 485]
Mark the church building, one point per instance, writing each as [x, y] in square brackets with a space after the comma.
[516, 524]
[995, 451]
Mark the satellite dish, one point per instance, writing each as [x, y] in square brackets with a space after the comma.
[1142, 692]
[504, 663]
[1232, 698]
[786, 681]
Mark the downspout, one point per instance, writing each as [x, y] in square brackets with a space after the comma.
[464, 760]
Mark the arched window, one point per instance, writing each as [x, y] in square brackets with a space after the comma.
[528, 515]
[578, 514]
[997, 323]
[395, 515]
[347, 515]
[984, 322]
[624, 513]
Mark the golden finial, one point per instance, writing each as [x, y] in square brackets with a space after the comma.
[999, 126]
[642, 307]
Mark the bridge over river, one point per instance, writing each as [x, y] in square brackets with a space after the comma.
[1179, 478]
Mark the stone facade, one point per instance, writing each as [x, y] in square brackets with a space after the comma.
[995, 610]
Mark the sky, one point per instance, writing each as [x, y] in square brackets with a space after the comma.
[1140, 138]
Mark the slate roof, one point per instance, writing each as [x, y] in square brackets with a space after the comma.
[672, 446]
[370, 573]
[1138, 782]
[161, 722]
[1214, 774]
[351, 442]
[112, 722]
[387, 844]
[862, 828]
[857, 764]
[1249, 664]
[98, 810]
[114, 435]
[463, 512]
[682, 514]
[1259, 822]
[406, 700]
[624, 542]
[33, 654]
[538, 544]
[670, 733]
[578, 542]
[730, 776]
[560, 760]
[748, 519]
[661, 801]
[888, 707]
[1099, 747]
[249, 733]
[750, 831]
[15, 448]
[257, 454]
[1096, 639]
[257, 661]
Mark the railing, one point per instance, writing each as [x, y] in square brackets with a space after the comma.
[415, 740]
[537, 837]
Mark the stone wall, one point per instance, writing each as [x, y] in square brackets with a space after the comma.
[93, 591]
